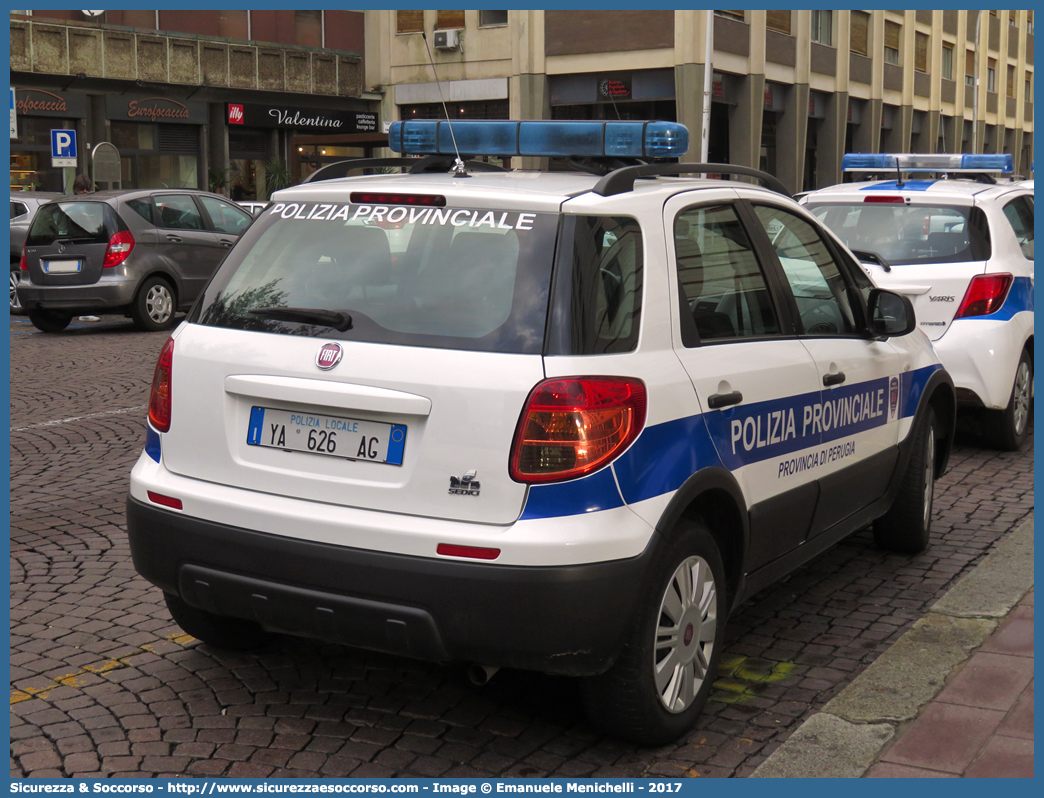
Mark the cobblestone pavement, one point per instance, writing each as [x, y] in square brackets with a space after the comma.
[103, 682]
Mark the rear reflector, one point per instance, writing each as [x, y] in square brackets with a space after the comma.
[166, 501]
[876, 198]
[370, 198]
[570, 427]
[985, 295]
[471, 552]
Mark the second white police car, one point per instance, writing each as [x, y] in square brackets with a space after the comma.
[558, 421]
[962, 249]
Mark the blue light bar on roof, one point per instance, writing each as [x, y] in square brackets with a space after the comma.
[919, 162]
[541, 139]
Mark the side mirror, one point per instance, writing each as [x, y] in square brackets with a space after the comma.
[891, 314]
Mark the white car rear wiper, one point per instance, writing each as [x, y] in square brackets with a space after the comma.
[338, 319]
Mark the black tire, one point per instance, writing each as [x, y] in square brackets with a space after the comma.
[907, 525]
[1006, 429]
[16, 277]
[220, 631]
[49, 321]
[630, 700]
[155, 305]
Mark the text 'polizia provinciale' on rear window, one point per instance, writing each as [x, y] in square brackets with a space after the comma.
[371, 214]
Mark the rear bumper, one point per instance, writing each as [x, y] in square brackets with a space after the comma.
[106, 295]
[569, 620]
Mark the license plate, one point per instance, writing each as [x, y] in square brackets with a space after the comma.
[61, 266]
[348, 438]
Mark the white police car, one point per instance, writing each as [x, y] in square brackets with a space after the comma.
[962, 249]
[566, 422]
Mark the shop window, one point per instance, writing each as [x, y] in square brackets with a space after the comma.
[893, 33]
[472, 109]
[132, 135]
[449, 19]
[822, 27]
[859, 35]
[947, 62]
[491, 18]
[409, 21]
[921, 52]
[778, 21]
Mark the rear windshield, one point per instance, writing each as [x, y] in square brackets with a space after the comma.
[76, 222]
[453, 278]
[909, 234]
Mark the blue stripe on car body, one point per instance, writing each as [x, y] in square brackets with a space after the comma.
[665, 455]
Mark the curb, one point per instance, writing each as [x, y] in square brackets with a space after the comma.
[847, 737]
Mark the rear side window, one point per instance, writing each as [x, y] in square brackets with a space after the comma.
[909, 234]
[77, 222]
[455, 278]
[18, 209]
[598, 287]
[1019, 213]
[142, 207]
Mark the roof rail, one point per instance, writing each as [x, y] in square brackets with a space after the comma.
[622, 180]
[432, 163]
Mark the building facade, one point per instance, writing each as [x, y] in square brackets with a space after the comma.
[792, 90]
[236, 101]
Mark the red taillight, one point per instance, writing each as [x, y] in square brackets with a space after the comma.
[159, 399]
[985, 295]
[471, 552]
[166, 501]
[120, 246]
[571, 427]
[878, 198]
[23, 264]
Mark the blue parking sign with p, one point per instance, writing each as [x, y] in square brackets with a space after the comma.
[63, 148]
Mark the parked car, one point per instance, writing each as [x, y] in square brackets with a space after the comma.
[568, 423]
[146, 252]
[24, 205]
[962, 250]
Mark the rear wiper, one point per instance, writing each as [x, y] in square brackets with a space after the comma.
[338, 319]
[867, 256]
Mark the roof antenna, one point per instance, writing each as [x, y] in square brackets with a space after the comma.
[458, 165]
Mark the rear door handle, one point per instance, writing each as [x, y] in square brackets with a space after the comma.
[724, 400]
[174, 239]
[833, 379]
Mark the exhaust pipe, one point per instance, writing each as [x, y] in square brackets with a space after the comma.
[479, 674]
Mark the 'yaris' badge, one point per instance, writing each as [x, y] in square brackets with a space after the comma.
[328, 356]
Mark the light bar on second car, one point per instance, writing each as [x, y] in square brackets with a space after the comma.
[626, 139]
[1002, 163]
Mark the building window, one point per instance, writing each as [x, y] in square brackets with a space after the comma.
[921, 52]
[409, 21]
[893, 32]
[1011, 81]
[969, 67]
[1011, 17]
[778, 21]
[449, 19]
[947, 62]
[736, 15]
[822, 27]
[1029, 87]
[991, 75]
[309, 28]
[859, 36]
[491, 18]
[1029, 23]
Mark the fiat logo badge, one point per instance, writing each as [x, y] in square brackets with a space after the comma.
[329, 355]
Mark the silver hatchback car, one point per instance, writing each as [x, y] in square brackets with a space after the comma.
[146, 253]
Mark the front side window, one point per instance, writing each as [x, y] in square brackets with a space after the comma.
[909, 234]
[226, 217]
[815, 279]
[1019, 213]
[446, 277]
[721, 281]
